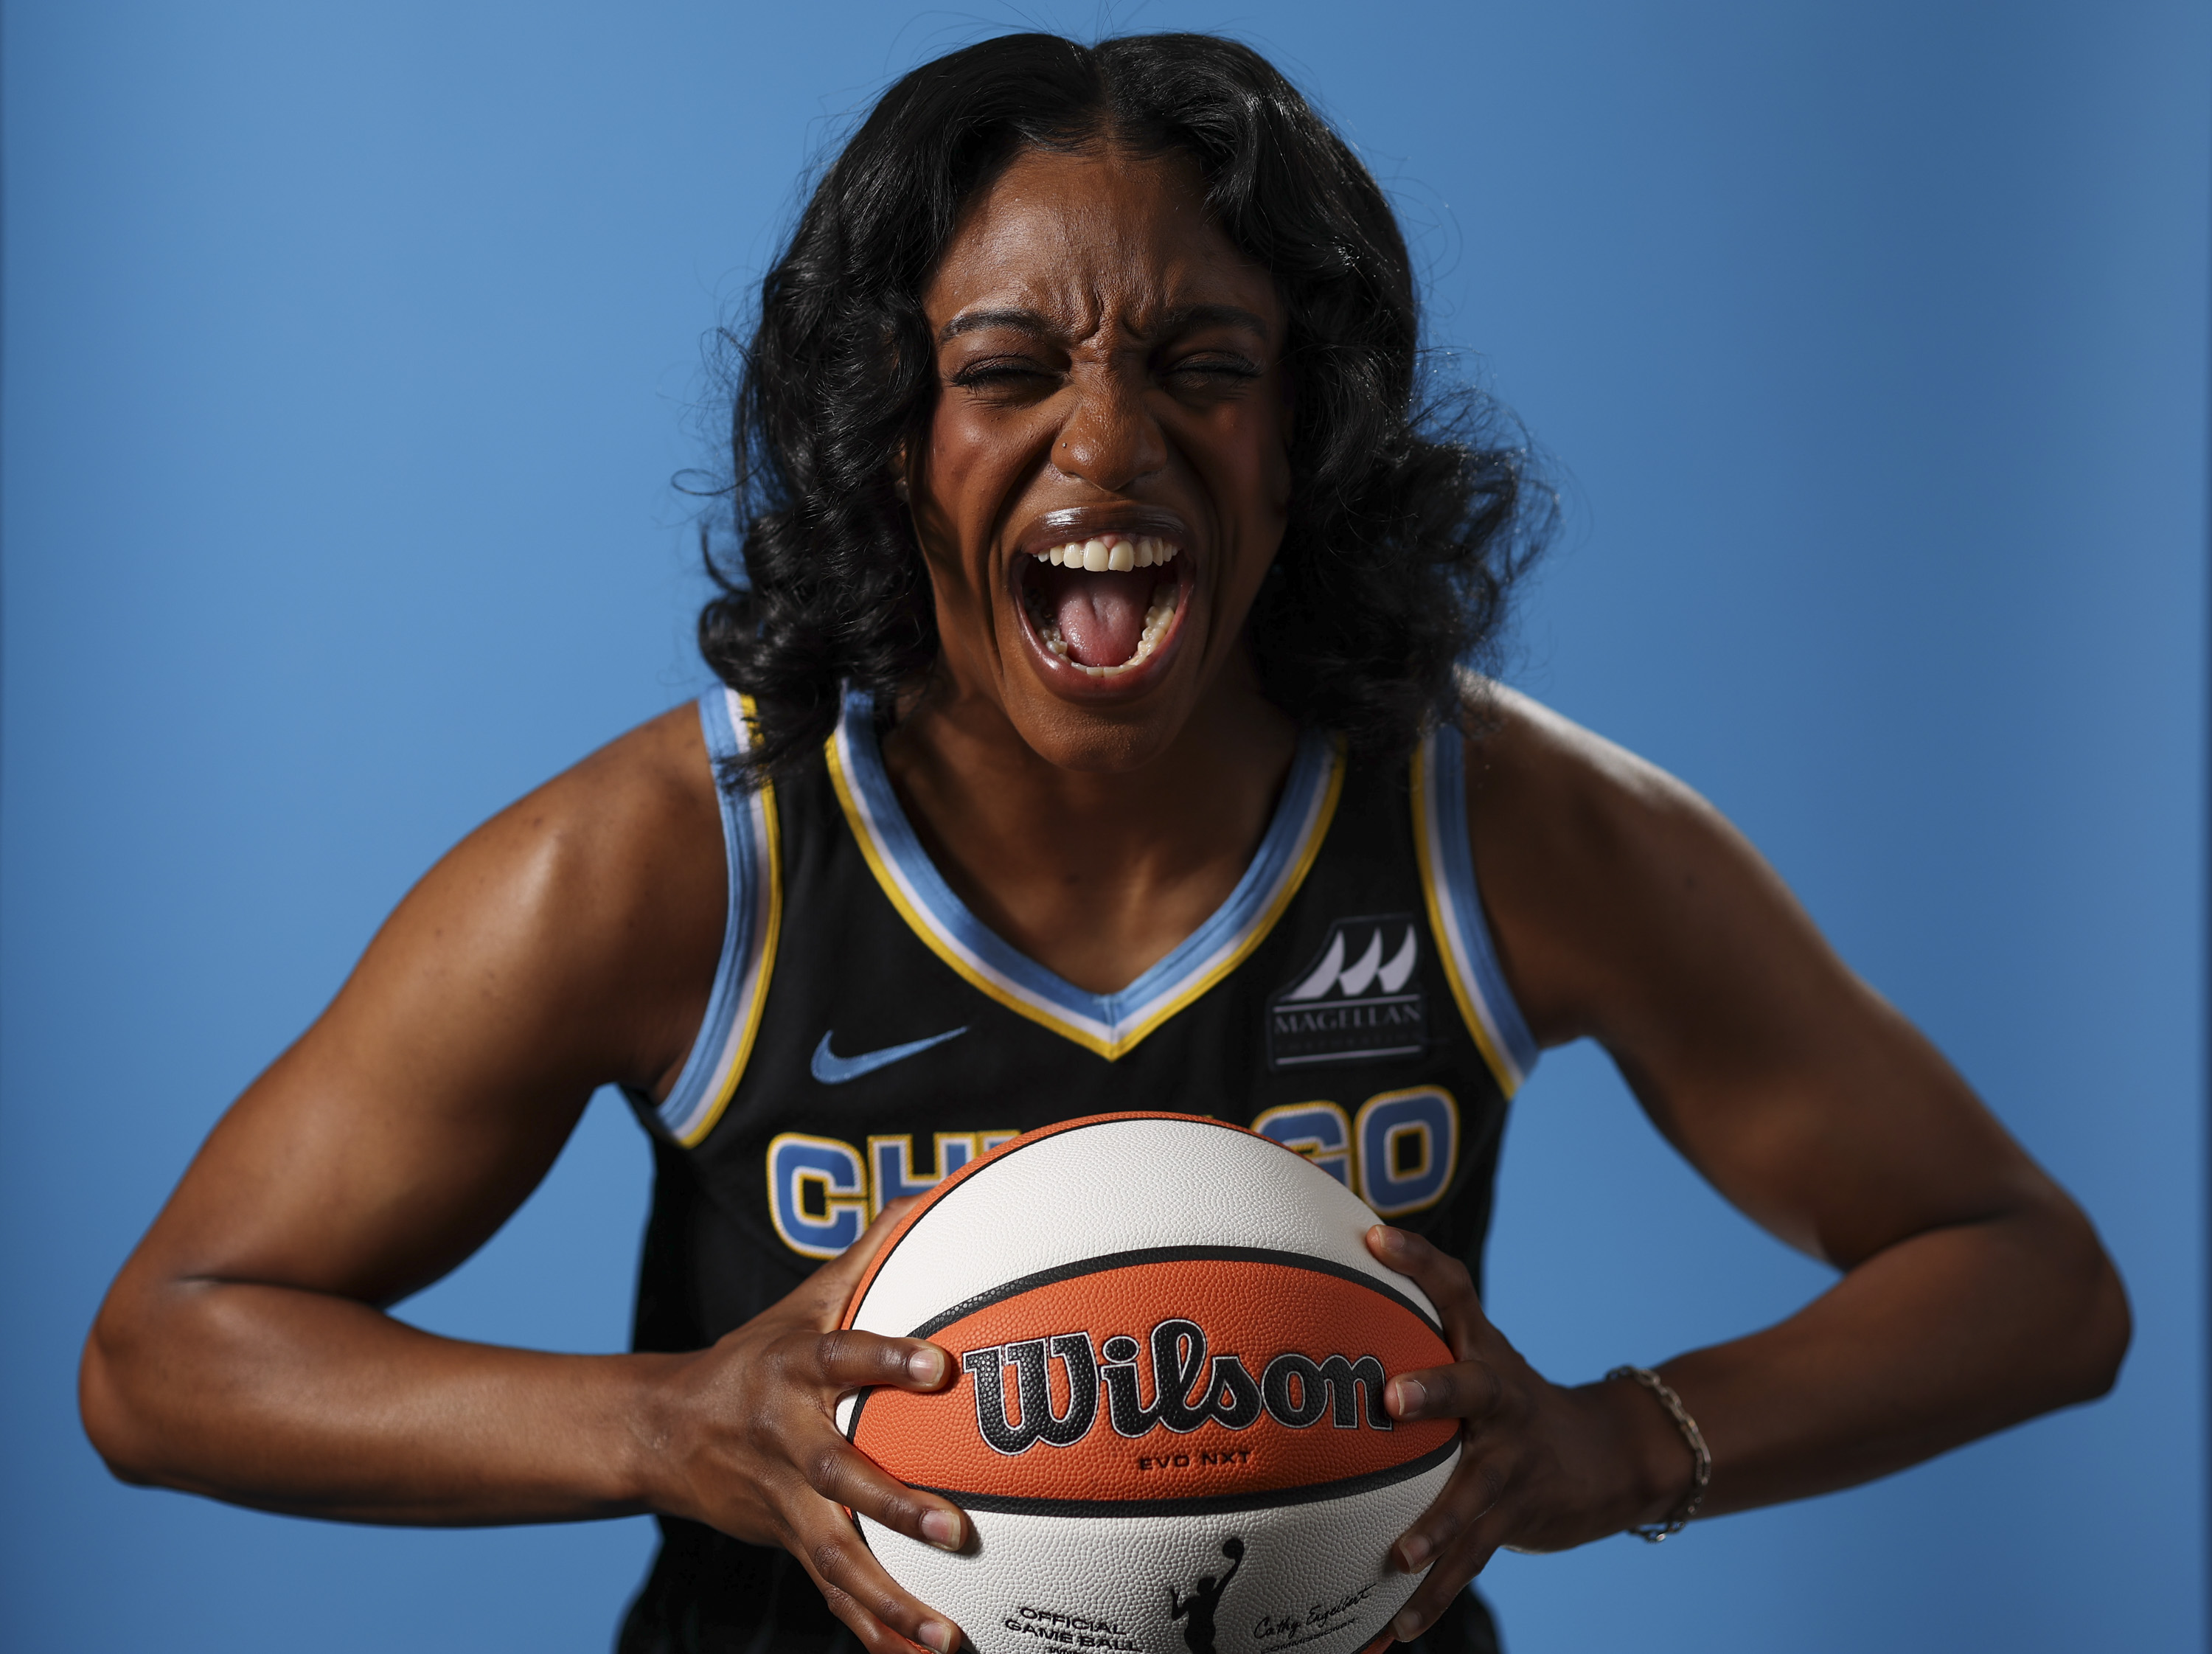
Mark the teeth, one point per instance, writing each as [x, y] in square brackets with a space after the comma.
[1125, 553]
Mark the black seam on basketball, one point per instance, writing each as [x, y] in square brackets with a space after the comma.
[1201, 1504]
[877, 1267]
[1106, 1260]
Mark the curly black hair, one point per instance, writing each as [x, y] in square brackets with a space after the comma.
[1409, 518]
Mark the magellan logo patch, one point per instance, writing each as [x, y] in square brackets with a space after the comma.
[1361, 999]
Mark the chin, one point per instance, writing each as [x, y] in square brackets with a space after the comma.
[1102, 734]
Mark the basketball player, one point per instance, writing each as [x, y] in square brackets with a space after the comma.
[1092, 737]
[1196, 1605]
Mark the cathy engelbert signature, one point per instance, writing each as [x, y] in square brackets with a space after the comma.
[1287, 1629]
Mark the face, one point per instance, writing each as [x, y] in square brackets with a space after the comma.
[1104, 479]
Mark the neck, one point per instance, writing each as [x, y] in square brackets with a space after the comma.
[1096, 874]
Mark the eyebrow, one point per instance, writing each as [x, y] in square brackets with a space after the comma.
[1175, 321]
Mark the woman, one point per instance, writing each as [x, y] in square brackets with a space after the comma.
[1092, 738]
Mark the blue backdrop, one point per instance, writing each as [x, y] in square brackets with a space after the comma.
[350, 350]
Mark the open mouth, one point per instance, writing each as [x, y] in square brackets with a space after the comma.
[1104, 603]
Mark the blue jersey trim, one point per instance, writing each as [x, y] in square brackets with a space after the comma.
[710, 1075]
[1456, 909]
[1108, 1023]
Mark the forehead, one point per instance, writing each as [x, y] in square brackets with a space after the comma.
[1079, 237]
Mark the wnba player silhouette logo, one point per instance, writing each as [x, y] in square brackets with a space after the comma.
[1205, 1597]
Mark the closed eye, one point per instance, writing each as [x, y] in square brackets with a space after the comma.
[1212, 373]
[1235, 367]
[1005, 375]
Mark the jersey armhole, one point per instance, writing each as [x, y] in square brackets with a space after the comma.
[751, 846]
[1455, 905]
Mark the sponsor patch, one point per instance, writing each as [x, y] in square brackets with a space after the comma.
[1358, 999]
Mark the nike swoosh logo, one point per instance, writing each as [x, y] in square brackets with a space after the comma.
[833, 1070]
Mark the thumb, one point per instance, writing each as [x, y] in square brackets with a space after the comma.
[834, 1280]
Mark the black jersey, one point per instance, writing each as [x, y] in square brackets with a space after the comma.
[867, 1034]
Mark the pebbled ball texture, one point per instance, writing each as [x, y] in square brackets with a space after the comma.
[1168, 1428]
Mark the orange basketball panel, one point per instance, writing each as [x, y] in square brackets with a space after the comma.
[1192, 1379]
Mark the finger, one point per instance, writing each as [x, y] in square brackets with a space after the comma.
[847, 1360]
[834, 1280]
[1465, 1389]
[844, 1475]
[1442, 1277]
[1466, 1555]
[1470, 1494]
[885, 1619]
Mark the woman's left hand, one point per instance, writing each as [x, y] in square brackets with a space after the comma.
[1541, 1467]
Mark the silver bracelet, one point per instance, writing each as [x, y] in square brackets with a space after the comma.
[1654, 1532]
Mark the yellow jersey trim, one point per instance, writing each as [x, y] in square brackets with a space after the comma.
[1447, 899]
[760, 965]
[1092, 1021]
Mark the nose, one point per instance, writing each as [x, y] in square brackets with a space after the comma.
[1109, 438]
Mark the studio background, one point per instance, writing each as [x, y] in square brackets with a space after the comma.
[350, 353]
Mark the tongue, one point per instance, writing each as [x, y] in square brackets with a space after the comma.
[1101, 615]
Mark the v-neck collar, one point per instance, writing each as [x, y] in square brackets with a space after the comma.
[1108, 1024]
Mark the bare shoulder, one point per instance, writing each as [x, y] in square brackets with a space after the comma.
[568, 942]
[616, 827]
[595, 904]
[1568, 791]
[1600, 871]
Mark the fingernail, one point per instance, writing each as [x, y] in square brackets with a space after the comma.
[1411, 1395]
[926, 1364]
[941, 1529]
[1406, 1627]
[1415, 1548]
[935, 1633]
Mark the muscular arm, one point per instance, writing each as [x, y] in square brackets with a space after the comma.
[245, 1351]
[1974, 1293]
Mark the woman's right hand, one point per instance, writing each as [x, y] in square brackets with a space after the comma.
[749, 1445]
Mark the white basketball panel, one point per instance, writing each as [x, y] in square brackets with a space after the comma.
[1313, 1577]
[1119, 1186]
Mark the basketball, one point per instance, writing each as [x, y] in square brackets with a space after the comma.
[1167, 1426]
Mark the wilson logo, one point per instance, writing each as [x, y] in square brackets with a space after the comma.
[1188, 1386]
